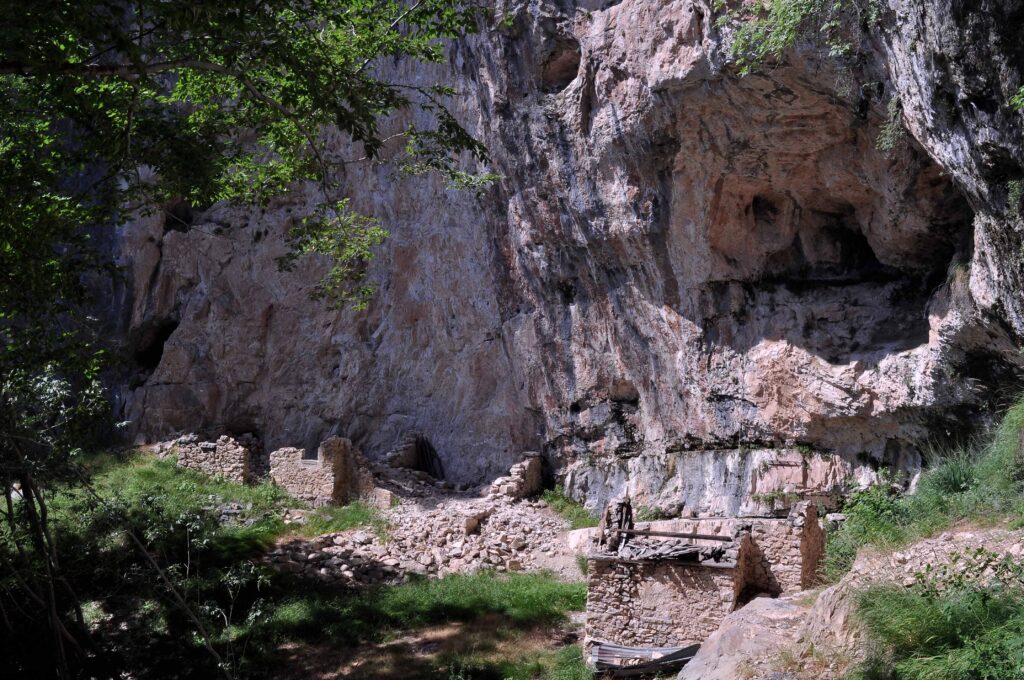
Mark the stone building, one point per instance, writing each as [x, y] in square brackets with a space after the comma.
[670, 592]
[339, 474]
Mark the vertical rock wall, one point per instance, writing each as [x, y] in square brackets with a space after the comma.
[683, 279]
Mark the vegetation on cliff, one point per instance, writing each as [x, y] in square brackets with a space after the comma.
[964, 621]
[983, 485]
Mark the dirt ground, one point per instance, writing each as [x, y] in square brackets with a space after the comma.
[433, 652]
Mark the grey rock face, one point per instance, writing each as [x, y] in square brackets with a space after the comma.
[682, 279]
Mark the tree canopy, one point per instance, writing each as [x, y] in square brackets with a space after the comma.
[112, 107]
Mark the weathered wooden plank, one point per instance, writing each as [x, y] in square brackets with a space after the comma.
[674, 534]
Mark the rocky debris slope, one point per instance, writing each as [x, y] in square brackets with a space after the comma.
[682, 277]
[812, 636]
[435, 532]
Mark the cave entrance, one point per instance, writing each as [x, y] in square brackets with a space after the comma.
[149, 348]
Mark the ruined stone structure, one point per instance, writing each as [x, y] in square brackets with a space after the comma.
[659, 601]
[338, 475]
[224, 458]
[524, 479]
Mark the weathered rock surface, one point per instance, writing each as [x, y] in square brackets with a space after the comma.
[763, 628]
[683, 277]
[811, 636]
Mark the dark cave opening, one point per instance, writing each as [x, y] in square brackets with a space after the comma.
[561, 65]
[149, 347]
[426, 458]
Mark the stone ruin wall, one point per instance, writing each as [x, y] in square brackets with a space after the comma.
[674, 603]
[656, 603]
[524, 479]
[790, 549]
[225, 458]
[338, 475]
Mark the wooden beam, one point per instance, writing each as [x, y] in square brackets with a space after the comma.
[673, 534]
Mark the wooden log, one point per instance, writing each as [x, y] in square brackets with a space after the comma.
[674, 534]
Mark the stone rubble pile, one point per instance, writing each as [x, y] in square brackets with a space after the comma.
[457, 536]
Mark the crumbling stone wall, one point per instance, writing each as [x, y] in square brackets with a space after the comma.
[673, 602]
[656, 603]
[224, 458]
[790, 549]
[339, 474]
[524, 479]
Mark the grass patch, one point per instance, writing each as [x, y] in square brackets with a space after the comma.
[971, 632]
[959, 621]
[577, 515]
[565, 663]
[331, 519]
[525, 599]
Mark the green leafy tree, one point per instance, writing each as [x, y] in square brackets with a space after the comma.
[110, 108]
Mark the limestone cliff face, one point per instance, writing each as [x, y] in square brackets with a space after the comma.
[687, 285]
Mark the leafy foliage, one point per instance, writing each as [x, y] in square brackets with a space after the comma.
[206, 556]
[778, 24]
[347, 239]
[1017, 101]
[892, 133]
[110, 109]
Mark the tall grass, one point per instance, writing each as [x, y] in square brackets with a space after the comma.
[960, 634]
[945, 627]
[983, 485]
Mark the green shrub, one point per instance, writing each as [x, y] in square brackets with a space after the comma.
[646, 513]
[778, 24]
[892, 133]
[952, 473]
[875, 516]
[577, 515]
[984, 488]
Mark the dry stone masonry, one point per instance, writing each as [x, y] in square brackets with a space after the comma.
[225, 458]
[524, 478]
[338, 475]
[666, 601]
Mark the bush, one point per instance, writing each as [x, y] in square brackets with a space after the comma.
[875, 516]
